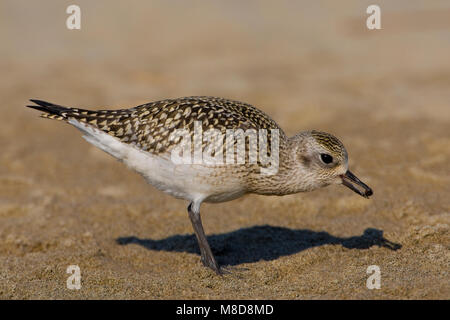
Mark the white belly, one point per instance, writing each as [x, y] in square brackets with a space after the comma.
[191, 182]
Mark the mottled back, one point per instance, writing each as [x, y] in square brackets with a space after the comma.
[149, 126]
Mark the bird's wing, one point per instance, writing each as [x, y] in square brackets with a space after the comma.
[150, 125]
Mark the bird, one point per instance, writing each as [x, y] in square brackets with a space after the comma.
[142, 137]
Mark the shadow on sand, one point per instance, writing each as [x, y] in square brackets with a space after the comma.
[262, 242]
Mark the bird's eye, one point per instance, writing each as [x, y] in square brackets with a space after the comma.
[326, 158]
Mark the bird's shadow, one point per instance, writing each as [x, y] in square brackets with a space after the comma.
[261, 243]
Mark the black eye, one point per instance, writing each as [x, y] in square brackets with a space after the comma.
[326, 158]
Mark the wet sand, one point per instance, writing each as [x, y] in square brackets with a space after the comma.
[384, 93]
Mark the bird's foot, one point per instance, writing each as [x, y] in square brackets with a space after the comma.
[232, 269]
[212, 264]
[222, 270]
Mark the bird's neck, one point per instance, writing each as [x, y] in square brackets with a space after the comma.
[291, 176]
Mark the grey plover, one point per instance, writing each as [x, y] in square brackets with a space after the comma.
[141, 137]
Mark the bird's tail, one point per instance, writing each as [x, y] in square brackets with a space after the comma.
[51, 111]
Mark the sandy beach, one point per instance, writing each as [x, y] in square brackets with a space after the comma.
[309, 65]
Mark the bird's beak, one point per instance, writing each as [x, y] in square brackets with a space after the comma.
[350, 180]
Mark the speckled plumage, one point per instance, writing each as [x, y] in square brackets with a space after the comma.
[141, 137]
[149, 126]
[331, 143]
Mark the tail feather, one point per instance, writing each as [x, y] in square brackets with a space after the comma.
[51, 110]
[102, 119]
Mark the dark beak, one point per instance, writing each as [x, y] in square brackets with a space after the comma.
[350, 180]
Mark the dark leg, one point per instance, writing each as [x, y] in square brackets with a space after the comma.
[207, 256]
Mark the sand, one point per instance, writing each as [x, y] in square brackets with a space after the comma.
[384, 93]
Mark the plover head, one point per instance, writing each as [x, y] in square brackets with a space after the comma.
[323, 160]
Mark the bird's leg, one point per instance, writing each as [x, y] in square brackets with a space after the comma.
[208, 259]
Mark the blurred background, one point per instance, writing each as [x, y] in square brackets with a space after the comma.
[309, 64]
